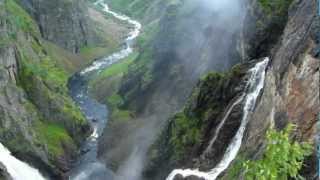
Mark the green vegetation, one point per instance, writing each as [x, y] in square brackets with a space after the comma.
[45, 84]
[110, 80]
[55, 137]
[46, 70]
[89, 53]
[138, 66]
[276, 8]
[45, 79]
[64, 59]
[186, 128]
[119, 68]
[20, 18]
[282, 159]
[135, 8]
[115, 100]
[141, 68]
[185, 132]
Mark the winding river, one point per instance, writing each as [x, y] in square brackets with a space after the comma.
[88, 167]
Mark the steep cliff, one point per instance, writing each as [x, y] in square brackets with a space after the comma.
[173, 54]
[291, 92]
[39, 122]
[185, 137]
[76, 26]
[62, 22]
[291, 95]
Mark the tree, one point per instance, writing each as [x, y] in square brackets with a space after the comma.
[283, 157]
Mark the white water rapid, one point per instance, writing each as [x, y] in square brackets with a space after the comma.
[125, 52]
[17, 169]
[255, 85]
[238, 101]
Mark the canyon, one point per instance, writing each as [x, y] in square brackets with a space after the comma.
[157, 89]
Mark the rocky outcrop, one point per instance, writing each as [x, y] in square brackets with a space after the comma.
[290, 95]
[39, 123]
[262, 27]
[4, 175]
[185, 139]
[63, 22]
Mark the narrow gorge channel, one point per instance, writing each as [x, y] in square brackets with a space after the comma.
[159, 89]
[88, 166]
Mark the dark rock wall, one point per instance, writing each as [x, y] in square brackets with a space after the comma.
[31, 104]
[202, 114]
[291, 92]
[63, 22]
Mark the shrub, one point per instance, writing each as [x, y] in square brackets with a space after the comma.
[283, 157]
[275, 7]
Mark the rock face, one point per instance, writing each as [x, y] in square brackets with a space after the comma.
[187, 135]
[63, 22]
[4, 174]
[291, 94]
[291, 91]
[183, 48]
[39, 123]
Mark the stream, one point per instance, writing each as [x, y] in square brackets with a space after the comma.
[88, 167]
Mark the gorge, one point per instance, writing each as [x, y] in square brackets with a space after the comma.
[88, 166]
[159, 89]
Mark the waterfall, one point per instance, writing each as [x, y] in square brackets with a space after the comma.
[238, 101]
[254, 87]
[17, 169]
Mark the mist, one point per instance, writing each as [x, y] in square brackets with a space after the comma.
[207, 42]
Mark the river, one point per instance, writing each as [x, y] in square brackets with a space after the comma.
[88, 166]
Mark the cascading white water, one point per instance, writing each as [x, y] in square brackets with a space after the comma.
[17, 169]
[222, 123]
[255, 85]
[104, 62]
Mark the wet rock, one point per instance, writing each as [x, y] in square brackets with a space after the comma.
[180, 177]
[4, 175]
